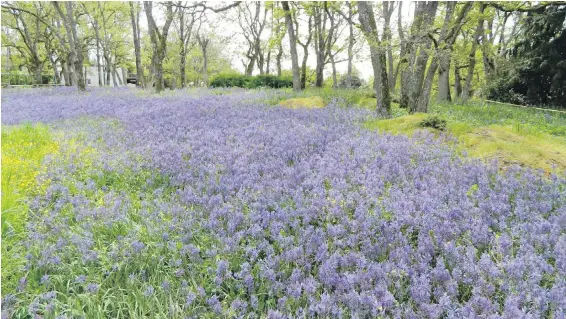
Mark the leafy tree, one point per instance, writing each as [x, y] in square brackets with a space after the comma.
[536, 72]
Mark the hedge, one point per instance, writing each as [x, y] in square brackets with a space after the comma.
[251, 82]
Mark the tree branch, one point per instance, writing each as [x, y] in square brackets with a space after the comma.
[535, 8]
[205, 7]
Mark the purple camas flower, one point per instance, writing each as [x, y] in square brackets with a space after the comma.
[303, 213]
[149, 291]
[80, 279]
[214, 304]
[92, 288]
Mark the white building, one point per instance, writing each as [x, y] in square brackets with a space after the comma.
[92, 76]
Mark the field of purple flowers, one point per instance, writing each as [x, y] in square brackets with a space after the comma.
[221, 206]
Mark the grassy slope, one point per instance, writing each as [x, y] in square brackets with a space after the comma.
[511, 135]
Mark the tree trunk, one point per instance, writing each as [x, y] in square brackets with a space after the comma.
[74, 43]
[413, 66]
[182, 48]
[205, 68]
[37, 74]
[124, 77]
[466, 92]
[107, 70]
[98, 68]
[388, 8]
[182, 69]
[66, 75]
[113, 71]
[402, 44]
[158, 42]
[278, 59]
[118, 76]
[268, 62]
[250, 66]
[134, 15]
[334, 75]
[378, 59]
[320, 44]
[446, 40]
[350, 45]
[417, 77]
[260, 60]
[55, 71]
[293, 45]
[444, 80]
[203, 42]
[304, 67]
[457, 81]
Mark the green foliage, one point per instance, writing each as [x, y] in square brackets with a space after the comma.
[356, 81]
[434, 122]
[536, 71]
[24, 79]
[251, 82]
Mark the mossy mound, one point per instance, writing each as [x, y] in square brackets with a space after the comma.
[311, 102]
[506, 144]
[407, 124]
[509, 147]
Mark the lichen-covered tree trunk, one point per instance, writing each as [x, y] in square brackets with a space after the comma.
[158, 42]
[466, 92]
[378, 59]
[414, 63]
[448, 33]
[443, 94]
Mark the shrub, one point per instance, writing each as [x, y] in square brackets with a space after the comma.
[434, 122]
[251, 82]
[356, 81]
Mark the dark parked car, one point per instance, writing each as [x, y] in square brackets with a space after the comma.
[132, 78]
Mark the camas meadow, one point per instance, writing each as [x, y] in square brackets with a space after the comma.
[216, 204]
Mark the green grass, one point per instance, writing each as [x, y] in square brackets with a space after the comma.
[481, 113]
[313, 102]
[23, 150]
[520, 139]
